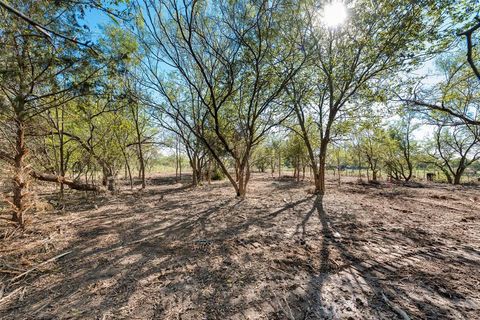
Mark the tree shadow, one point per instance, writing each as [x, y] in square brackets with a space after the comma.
[195, 258]
[358, 278]
[194, 255]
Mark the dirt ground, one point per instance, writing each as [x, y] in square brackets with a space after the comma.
[171, 252]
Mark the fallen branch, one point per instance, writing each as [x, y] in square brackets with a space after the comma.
[399, 311]
[14, 292]
[39, 265]
[59, 179]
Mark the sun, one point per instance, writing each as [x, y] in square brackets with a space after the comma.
[334, 14]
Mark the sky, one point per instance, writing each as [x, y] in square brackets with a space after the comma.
[94, 19]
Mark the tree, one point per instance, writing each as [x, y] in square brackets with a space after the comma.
[38, 74]
[378, 39]
[373, 145]
[456, 95]
[235, 57]
[454, 149]
[295, 153]
[402, 148]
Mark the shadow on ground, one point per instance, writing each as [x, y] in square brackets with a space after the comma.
[173, 252]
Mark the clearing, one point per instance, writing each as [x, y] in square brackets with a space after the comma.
[171, 252]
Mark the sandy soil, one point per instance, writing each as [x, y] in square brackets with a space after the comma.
[170, 252]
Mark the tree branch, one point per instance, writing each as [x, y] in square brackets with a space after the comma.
[468, 35]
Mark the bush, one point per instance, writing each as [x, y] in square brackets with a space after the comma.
[217, 174]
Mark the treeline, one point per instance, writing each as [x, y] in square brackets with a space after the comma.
[393, 151]
[213, 80]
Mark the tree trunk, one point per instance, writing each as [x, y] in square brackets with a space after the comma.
[338, 167]
[449, 178]
[194, 177]
[127, 166]
[320, 189]
[20, 175]
[61, 150]
[104, 177]
[141, 160]
[359, 167]
[200, 165]
[111, 183]
[195, 172]
[243, 178]
[447, 174]
[410, 171]
[458, 177]
[108, 179]
[298, 170]
[279, 165]
[209, 171]
[241, 183]
[180, 167]
[176, 161]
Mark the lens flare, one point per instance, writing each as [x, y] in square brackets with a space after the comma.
[334, 14]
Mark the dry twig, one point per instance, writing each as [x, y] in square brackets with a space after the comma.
[39, 265]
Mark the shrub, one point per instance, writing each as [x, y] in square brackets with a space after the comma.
[217, 174]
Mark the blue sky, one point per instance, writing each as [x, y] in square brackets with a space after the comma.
[95, 19]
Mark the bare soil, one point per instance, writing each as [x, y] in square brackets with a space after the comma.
[171, 252]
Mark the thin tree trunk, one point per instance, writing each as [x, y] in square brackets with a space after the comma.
[338, 167]
[279, 165]
[298, 170]
[176, 161]
[209, 172]
[141, 160]
[61, 151]
[320, 184]
[129, 171]
[180, 166]
[20, 175]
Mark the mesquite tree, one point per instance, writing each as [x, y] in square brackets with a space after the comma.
[378, 38]
[402, 148]
[236, 57]
[454, 149]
